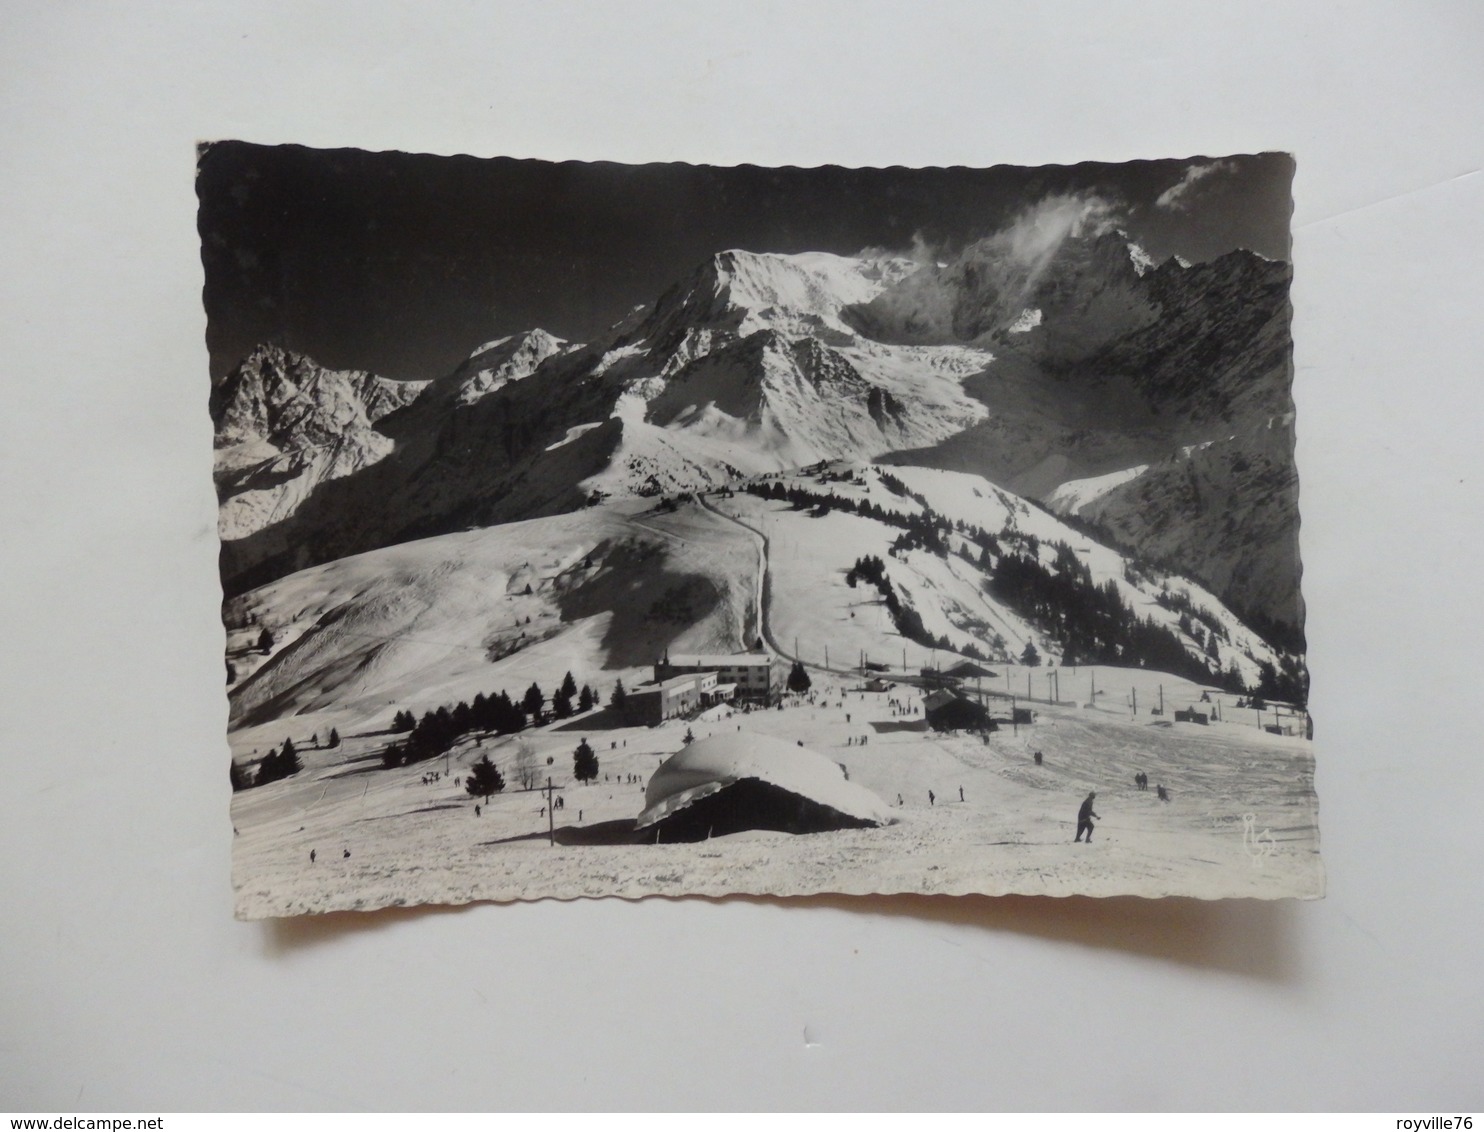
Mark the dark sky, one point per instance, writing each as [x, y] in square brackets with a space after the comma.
[403, 263]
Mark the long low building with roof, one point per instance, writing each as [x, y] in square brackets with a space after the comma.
[675, 696]
[751, 672]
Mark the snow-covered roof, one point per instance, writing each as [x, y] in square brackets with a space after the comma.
[711, 765]
[942, 696]
[968, 668]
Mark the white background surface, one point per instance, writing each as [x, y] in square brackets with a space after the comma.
[124, 981]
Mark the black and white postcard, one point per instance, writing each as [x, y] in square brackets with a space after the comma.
[608, 530]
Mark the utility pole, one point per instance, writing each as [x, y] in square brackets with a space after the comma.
[826, 656]
[1161, 699]
[550, 813]
[1135, 691]
[1014, 719]
[1093, 676]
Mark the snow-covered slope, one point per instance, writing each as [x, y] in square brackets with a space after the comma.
[604, 591]
[1073, 497]
[812, 554]
[437, 620]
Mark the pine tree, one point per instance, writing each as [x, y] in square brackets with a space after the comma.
[584, 763]
[278, 764]
[798, 678]
[561, 705]
[334, 738]
[1030, 657]
[509, 717]
[620, 698]
[241, 779]
[484, 779]
[265, 641]
[569, 686]
[532, 702]
[587, 699]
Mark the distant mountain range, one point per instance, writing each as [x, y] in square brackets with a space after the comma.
[1149, 403]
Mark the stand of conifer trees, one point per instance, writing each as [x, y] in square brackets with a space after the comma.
[437, 731]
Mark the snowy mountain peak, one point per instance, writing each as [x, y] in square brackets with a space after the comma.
[495, 364]
[291, 401]
[809, 282]
[1087, 287]
[741, 292]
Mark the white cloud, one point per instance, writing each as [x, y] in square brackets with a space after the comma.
[1175, 196]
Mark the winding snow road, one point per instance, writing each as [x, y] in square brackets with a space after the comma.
[764, 592]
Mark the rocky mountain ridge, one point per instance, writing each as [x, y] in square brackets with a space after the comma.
[1085, 360]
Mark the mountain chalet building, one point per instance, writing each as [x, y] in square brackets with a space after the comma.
[687, 682]
[751, 672]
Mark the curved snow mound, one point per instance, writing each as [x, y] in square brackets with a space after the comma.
[786, 780]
